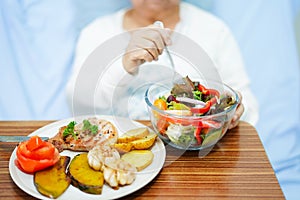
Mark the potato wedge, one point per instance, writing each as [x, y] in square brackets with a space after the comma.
[53, 181]
[144, 143]
[123, 147]
[139, 158]
[133, 134]
[84, 177]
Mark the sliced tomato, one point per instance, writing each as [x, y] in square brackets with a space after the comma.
[162, 125]
[35, 154]
[34, 142]
[160, 104]
[23, 149]
[45, 152]
[29, 165]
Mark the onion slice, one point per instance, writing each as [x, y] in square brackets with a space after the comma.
[189, 100]
[180, 112]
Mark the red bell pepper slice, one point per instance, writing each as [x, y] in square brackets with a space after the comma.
[212, 92]
[197, 135]
[175, 120]
[203, 127]
[202, 110]
[211, 124]
[206, 91]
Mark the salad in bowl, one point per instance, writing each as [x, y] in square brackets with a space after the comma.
[191, 115]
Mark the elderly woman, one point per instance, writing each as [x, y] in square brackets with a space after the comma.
[147, 45]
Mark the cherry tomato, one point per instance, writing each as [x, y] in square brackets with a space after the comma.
[34, 155]
[160, 104]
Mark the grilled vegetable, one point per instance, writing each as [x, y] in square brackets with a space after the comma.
[53, 181]
[84, 177]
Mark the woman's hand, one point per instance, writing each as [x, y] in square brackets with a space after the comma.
[145, 45]
[238, 113]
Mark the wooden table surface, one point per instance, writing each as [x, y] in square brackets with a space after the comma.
[236, 168]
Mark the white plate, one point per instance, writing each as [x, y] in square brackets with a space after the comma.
[25, 181]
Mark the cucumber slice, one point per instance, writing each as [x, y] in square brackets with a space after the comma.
[212, 138]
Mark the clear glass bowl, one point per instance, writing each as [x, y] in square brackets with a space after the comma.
[183, 132]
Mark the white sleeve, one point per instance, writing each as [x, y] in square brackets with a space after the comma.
[232, 71]
[91, 84]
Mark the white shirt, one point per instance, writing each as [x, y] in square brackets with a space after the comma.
[103, 88]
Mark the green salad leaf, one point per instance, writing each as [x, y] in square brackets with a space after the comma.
[197, 95]
[162, 97]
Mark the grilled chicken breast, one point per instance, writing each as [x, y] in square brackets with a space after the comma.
[85, 135]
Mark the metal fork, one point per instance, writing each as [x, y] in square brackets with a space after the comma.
[161, 25]
[177, 78]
